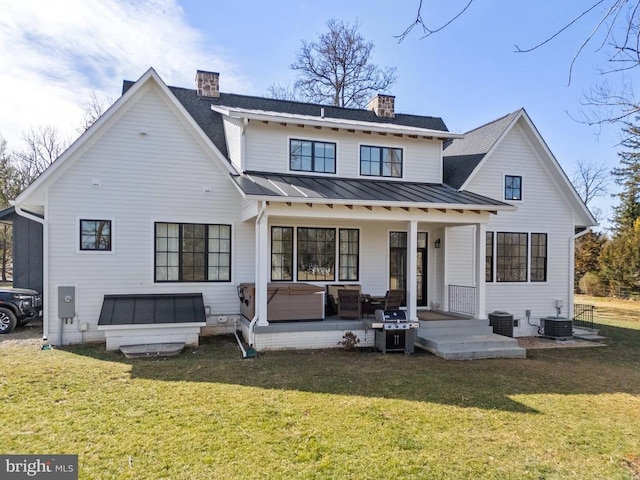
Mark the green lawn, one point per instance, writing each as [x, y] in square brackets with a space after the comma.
[561, 413]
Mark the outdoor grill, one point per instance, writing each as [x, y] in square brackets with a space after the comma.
[394, 332]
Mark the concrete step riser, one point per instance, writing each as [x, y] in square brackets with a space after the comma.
[453, 323]
[467, 346]
[520, 353]
[458, 331]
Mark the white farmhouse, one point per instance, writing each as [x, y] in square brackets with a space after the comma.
[178, 200]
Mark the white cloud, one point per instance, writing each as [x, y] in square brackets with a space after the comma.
[56, 53]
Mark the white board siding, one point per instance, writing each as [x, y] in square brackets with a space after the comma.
[460, 253]
[233, 135]
[542, 210]
[267, 150]
[144, 178]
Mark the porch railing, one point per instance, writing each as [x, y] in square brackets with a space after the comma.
[583, 315]
[462, 299]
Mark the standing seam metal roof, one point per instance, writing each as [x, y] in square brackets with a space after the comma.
[283, 186]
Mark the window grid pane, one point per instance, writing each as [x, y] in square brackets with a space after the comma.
[380, 161]
[512, 187]
[489, 258]
[349, 254]
[192, 252]
[538, 257]
[312, 156]
[282, 253]
[95, 235]
[511, 257]
[316, 253]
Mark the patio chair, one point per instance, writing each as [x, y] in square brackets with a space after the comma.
[391, 301]
[349, 303]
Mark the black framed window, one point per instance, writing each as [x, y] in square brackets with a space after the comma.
[538, 257]
[380, 161]
[488, 276]
[312, 156]
[282, 253]
[316, 253]
[95, 235]
[190, 252]
[348, 259]
[511, 257]
[512, 187]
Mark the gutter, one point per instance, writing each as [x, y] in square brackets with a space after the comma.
[254, 320]
[45, 263]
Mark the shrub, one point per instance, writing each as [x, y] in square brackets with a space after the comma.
[349, 341]
[590, 284]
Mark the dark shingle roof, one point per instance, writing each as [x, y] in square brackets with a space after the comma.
[211, 122]
[285, 186]
[463, 155]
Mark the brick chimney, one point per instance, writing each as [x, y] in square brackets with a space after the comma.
[208, 84]
[383, 105]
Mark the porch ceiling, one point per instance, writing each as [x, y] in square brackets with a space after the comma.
[363, 192]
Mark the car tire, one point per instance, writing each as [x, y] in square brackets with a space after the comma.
[8, 320]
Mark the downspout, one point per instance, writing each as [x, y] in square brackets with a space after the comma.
[252, 325]
[45, 269]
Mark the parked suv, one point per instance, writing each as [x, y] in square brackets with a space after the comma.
[17, 307]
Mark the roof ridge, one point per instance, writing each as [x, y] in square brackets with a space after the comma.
[486, 124]
[300, 102]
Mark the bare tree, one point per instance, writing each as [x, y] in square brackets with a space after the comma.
[591, 180]
[616, 30]
[284, 91]
[337, 69]
[42, 146]
[93, 109]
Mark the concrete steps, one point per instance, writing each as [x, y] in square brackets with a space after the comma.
[466, 340]
[590, 334]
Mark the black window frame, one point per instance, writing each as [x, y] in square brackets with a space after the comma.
[509, 262]
[539, 256]
[343, 250]
[97, 236]
[508, 187]
[343, 256]
[283, 256]
[316, 259]
[380, 161]
[313, 156]
[489, 253]
[203, 259]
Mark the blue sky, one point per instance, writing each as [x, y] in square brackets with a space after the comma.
[56, 53]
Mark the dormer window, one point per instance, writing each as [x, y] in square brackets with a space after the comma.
[380, 161]
[512, 187]
[312, 156]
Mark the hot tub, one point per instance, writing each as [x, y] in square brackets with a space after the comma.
[286, 302]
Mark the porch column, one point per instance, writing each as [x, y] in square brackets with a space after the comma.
[262, 273]
[412, 270]
[481, 255]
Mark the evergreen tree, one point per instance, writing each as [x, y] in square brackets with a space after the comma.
[620, 259]
[627, 175]
[588, 249]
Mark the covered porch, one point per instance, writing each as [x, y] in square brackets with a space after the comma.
[380, 235]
